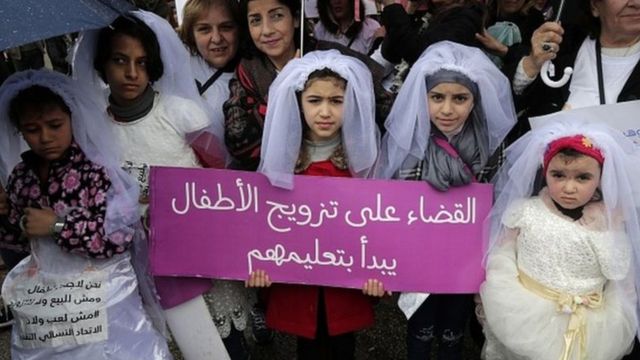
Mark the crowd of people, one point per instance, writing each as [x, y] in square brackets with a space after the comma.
[439, 91]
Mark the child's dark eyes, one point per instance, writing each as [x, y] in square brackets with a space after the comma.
[124, 61]
[460, 98]
[436, 97]
[118, 60]
[333, 101]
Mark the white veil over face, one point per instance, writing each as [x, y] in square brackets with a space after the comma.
[91, 131]
[408, 124]
[176, 80]
[282, 135]
[519, 179]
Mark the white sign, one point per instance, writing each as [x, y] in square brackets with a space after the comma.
[52, 310]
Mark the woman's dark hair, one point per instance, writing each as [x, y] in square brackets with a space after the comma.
[326, 18]
[136, 29]
[247, 47]
[195, 9]
[586, 19]
[35, 99]
[494, 9]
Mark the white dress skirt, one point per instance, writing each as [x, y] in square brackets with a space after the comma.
[565, 256]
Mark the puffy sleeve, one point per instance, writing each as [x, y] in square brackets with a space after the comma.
[185, 115]
[613, 252]
[608, 240]
[514, 216]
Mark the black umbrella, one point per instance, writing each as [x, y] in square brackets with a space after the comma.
[25, 21]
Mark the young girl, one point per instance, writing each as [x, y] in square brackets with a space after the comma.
[71, 205]
[211, 31]
[153, 106]
[339, 23]
[560, 269]
[330, 133]
[446, 137]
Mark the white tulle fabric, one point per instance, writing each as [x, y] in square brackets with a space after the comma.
[561, 254]
[408, 125]
[282, 135]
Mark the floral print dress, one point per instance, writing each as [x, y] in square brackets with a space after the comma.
[76, 190]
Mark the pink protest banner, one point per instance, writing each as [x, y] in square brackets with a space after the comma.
[327, 231]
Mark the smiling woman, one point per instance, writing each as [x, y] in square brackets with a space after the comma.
[272, 26]
[211, 29]
[212, 32]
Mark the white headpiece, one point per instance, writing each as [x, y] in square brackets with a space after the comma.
[282, 135]
[519, 178]
[408, 124]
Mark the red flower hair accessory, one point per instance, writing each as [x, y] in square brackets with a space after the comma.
[579, 143]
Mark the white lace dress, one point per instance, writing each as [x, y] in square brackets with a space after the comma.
[567, 257]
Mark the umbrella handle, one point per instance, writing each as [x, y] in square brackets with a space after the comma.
[548, 70]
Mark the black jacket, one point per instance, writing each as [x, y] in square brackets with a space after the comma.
[403, 41]
[540, 99]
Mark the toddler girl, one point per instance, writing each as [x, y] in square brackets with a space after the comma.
[560, 271]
